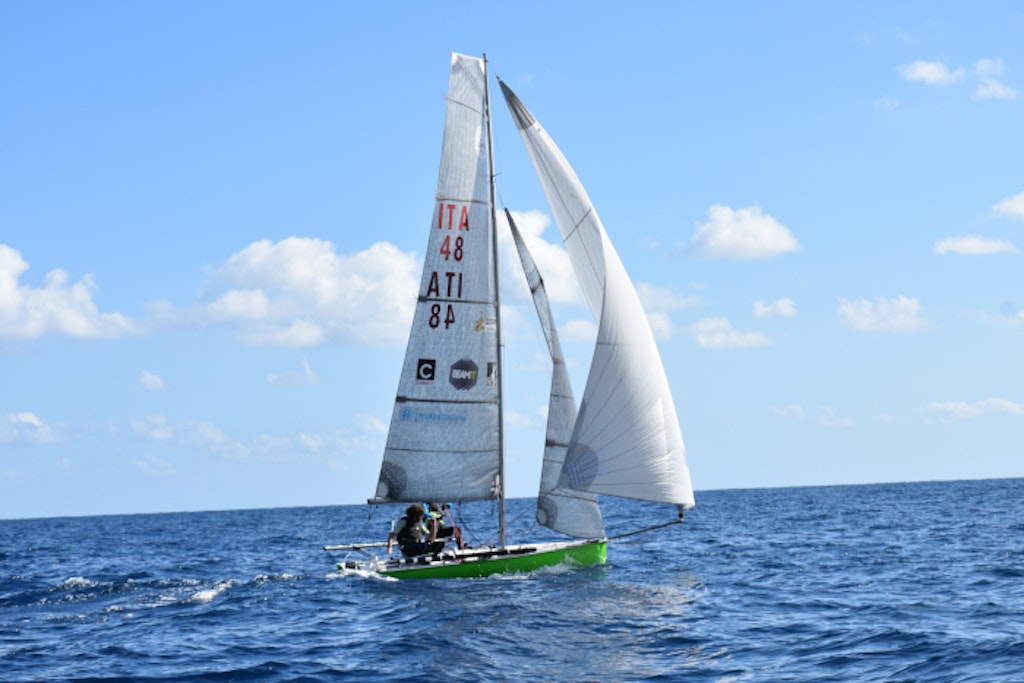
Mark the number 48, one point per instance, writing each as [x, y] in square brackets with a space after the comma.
[448, 252]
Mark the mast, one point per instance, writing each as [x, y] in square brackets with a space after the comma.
[497, 306]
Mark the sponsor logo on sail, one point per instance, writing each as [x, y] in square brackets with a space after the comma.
[492, 373]
[425, 370]
[485, 325]
[463, 374]
[430, 415]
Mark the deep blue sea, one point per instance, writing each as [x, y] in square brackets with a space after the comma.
[896, 582]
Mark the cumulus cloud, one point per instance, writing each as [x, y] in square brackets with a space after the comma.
[718, 333]
[742, 234]
[59, 307]
[149, 381]
[901, 314]
[973, 245]
[300, 292]
[25, 428]
[781, 308]
[966, 411]
[551, 258]
[1011, 208]
[931, 73]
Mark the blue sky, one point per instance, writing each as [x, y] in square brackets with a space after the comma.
[212, 217]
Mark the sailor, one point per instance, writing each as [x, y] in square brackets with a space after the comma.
[435, 522]
[413, 535]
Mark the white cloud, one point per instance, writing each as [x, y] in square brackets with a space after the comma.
[718, 333]
[59, 307]
[658, 303]
[966, 411]
[307, 376]
[742, 234]
[901, 314]
[575, 331]
[151, 382]
[985, 70]
[25, 428]
[1011, 208]
[299, 292]
[931, 73]
[973, 245]
[243, 304]
[663, 298]
[294, 334]
[781, 308]
[551, 258]
[990, 88]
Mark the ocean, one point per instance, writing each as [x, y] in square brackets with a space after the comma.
[891, 582]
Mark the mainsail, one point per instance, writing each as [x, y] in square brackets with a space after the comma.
[626, 440]
[444, 439]
[571, 512]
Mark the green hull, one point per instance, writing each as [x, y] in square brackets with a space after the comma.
[514, 559]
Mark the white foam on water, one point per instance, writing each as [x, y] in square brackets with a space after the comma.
[212, 592]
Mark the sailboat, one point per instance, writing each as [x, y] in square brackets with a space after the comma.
[446, 438]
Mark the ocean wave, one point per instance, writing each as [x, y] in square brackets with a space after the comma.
[211, 593]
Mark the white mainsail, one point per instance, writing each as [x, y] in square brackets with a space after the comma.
[626, 440]
[444, 439]
[571, 512]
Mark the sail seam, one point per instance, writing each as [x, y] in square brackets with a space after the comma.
[413, 399]
[476, 302]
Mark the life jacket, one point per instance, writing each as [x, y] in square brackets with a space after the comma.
[409, 532]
